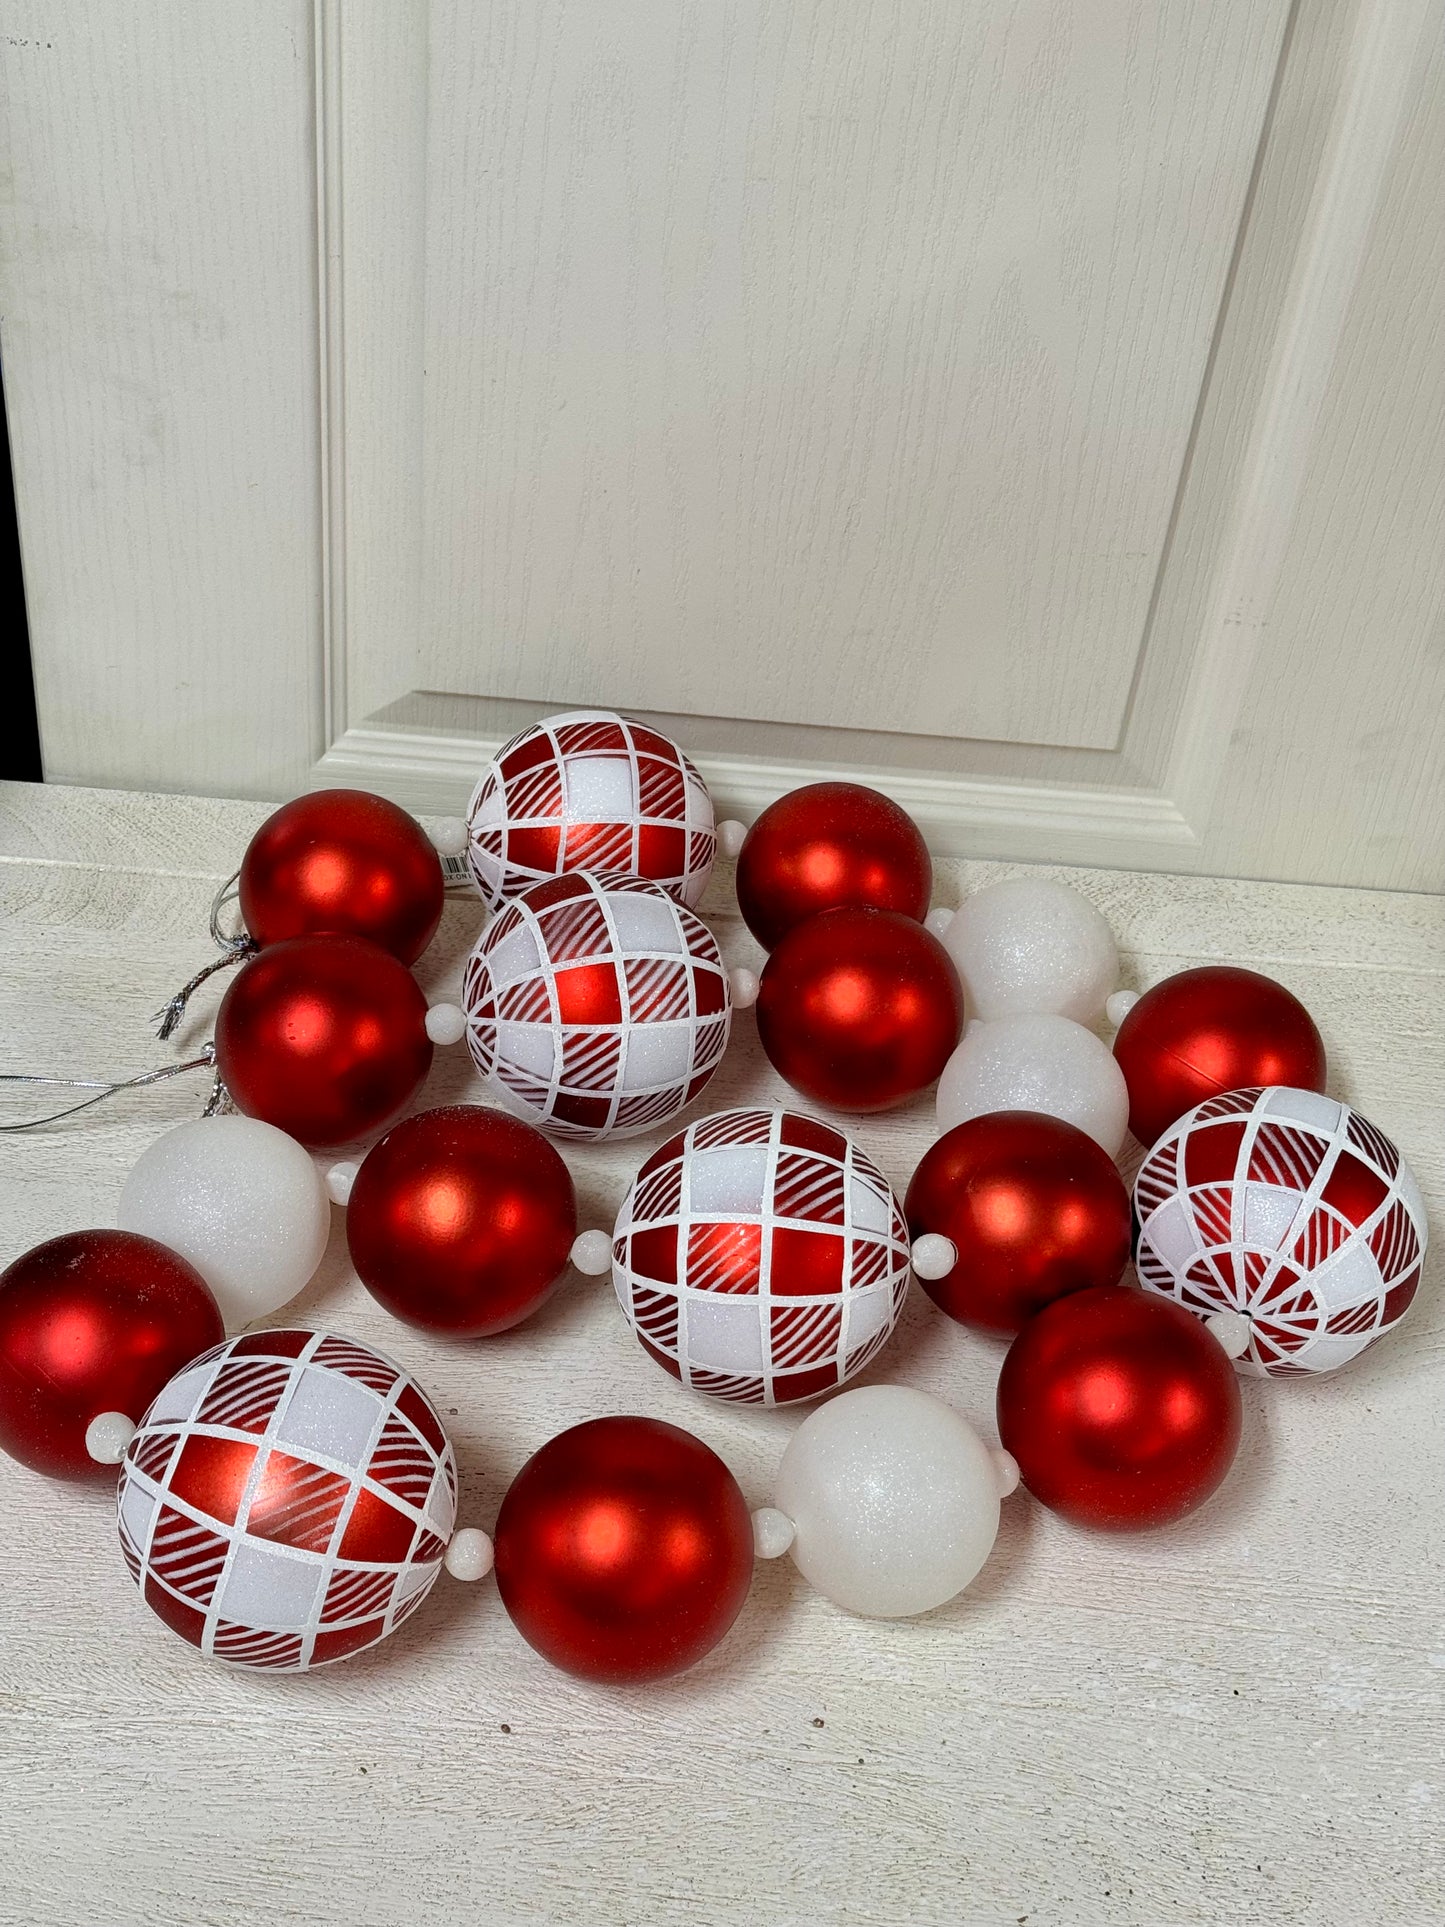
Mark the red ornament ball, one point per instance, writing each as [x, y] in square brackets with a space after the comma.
[343, 863]
[1205, 1031]
[1118, 1417]
[624, 1550]
[1035, 1209]
[461, 1220]
[288, 1500]
[826, 846]
[324, 1037]
[1291, 1209]
[859, 1009]
[92, 1322]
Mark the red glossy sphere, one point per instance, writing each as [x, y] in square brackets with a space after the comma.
[826, 846]
[1210, 1030]
[624, 1550]
[324, 1037]
[859, 1009]
[343, 863]
[1035, 1208]
[95, 1321]
[1117, 1417]
[461, 1220]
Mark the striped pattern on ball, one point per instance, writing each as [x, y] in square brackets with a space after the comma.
[760, 1256]
[1291, 1208]
[596, 1006]
[590, 790]
[287, 1500]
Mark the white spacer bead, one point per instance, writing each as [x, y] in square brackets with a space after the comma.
[469, 1553]
[449, 836]
[939, 919]
[446, 1023]
[592, 1252]
[743, 988]
[773, 1532]
[1006, 1466]
[339, 1180]
[731, 836]
[1232, 1329]
[934, 1256]
[1119, 1004]
[107, 1436]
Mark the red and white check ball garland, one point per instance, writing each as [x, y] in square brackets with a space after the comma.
[287, 1497]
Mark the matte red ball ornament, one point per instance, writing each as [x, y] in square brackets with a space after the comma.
[461, 1220]
[92, 1322]
[324, 1037]
[624, 1550]
[859, 1009]
[1205, 1031]
[826, 846]
[1034, 1208]
[343, 863]
[1119, 1418]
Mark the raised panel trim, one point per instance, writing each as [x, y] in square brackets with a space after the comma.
[960, 816]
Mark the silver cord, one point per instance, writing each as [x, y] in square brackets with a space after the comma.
[220, 1097]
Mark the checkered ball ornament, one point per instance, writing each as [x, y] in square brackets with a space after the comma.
[589, 790]
[760, 1256]
[596, 1006]
[287, 1500]
[1291, 1208]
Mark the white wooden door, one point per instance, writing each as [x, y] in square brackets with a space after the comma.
[1034, 408]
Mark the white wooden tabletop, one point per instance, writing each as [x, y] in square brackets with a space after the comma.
[1239, 1718]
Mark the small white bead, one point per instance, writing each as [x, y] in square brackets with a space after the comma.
[730, 837]
[339, 1180]
[1007, 1467]
[1232, 1329]
[934, 1256]
[449, 836]
[469, 1553]
[1118, 1005]
[743, 986]
[446, 1023]
[592, 1252]
[938, 920]
[107, 1436]
[773, 1532]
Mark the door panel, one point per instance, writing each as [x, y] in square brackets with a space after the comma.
[1035, 410]
[819, 365]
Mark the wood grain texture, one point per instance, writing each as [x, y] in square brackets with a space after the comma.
[767, 341]
[1239, 1719]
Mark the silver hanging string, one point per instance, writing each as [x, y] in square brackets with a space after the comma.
[219, 1100]
[235, 946]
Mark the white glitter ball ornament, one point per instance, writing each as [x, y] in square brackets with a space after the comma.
[760, 1256]
[287, 1500]
[894, 1500]
[242, 1201]
[596, 1006]
[1028, 946]
[589, 790]
[1290, 1208]
[1036, 1063]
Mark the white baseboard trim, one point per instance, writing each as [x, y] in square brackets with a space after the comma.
[961, 816]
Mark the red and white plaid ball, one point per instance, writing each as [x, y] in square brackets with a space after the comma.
[287, 1500]
[761, 1256]
[590, 790]
[1291, 1208]
[596, 1006]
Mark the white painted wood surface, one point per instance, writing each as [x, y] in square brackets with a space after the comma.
[1239, 1719]
[929, 407]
